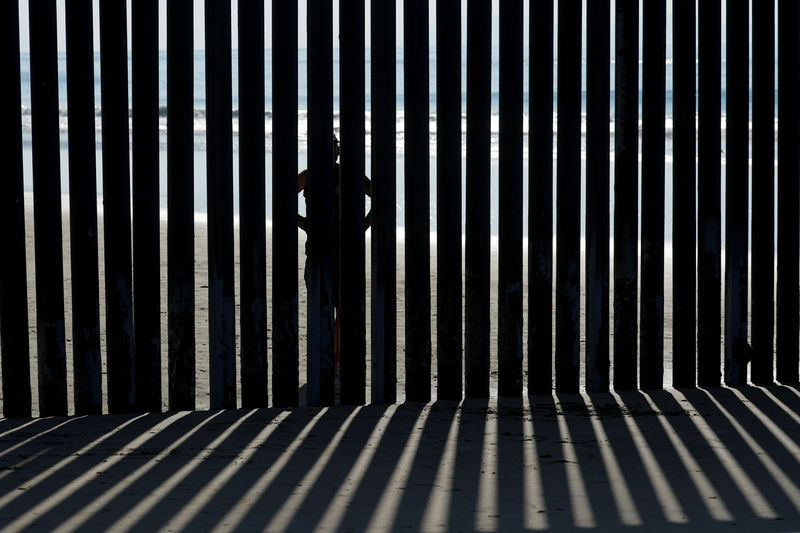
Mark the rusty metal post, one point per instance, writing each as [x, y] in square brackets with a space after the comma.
[117, 208]
[540, 199]
[252, 206]
[762, 313]
[626, 193]
[221, 305]
[14, 343]
[319, 188]
[352, 305]
[476, 253]
[417, 204]
[83, 209]
[684, 347]
[180, 205]
[787, 304]
[509, 288]
[737, 111]
[568, 199]
[708, 195]
[146, 204]
[598, 81]
[384, 231]
[47, 211]
[285, 355]
[449, 345]
[651, 332]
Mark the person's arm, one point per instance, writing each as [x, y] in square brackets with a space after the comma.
[368, 192]
[301, 181]
[301, 186]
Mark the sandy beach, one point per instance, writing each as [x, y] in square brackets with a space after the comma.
[201, 306]
[657, 461]
[201, 302]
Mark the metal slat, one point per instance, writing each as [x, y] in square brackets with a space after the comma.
[737, 351]
[52, 359]
[684, 358]
[626, 185]
[221, 305]
[651, 332]
[180, 205]
[14, 343]
[417, 204]
[319, 188]
[352, 307]
[449, 332]
[252, 206]
[83, 209]
[762, 281]
[787, 305]
[384, 232]
[285, 358]
[146, 204]
[476, 253]
[598, 81]
[568, 171]
[708, 195]
[117, 208]
[509, 288]
[540, 200]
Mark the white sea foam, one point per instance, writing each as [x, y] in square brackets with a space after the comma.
[200, 128]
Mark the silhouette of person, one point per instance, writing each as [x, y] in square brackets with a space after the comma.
[302, 223]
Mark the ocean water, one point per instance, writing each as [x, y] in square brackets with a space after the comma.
[200, 103]
[200, 127]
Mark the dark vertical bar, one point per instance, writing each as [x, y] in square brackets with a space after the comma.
[252, 205]
[683, 195]
[651, 333]
[568, 221]
[626, 184]
[708, 195]
[417, 194]
[762, 312]
[320, 204]
[221, 305]
[285, 370]
[14, 344]
[83, 209]
[47, 211]
[736, 198]
[540, 200]
[117, 208]
[180, 205]
[476, 253]
[146, 223]
[786, 326]
[352, 319]
[384, 232]
[448, 199]
[598, 79]
[509, 287]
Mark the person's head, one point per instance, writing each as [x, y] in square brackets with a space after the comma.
[335, 148]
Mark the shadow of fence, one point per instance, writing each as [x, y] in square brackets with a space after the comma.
[666, 460]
